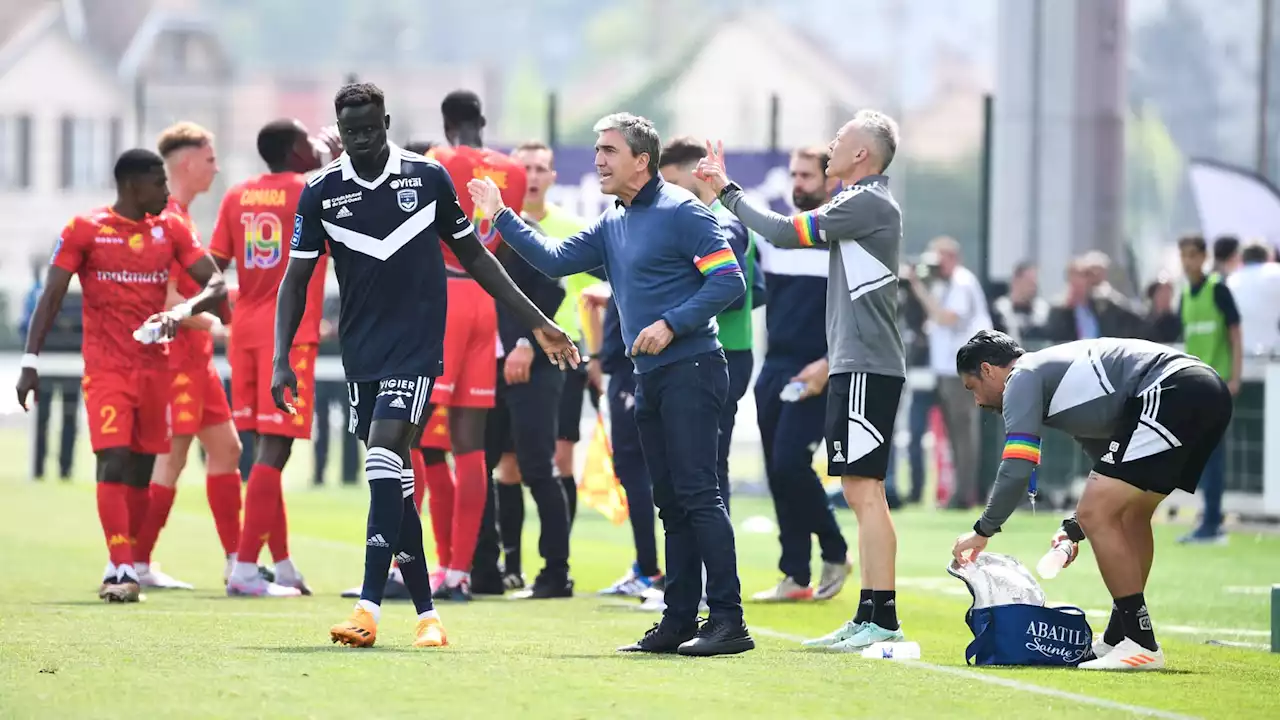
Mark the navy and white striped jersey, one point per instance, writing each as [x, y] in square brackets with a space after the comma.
[384, 236]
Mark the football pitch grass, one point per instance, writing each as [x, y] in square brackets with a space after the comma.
[65, 654]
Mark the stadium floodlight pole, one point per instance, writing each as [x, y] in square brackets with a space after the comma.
[553, 107]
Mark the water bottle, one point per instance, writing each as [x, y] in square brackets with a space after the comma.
[1054, 560]
[792, 392]
[892, 651]
[149, 334]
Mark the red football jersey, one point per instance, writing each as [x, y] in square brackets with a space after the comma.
[251, 231]
[124, 271]
[466, 163]
[191, 348]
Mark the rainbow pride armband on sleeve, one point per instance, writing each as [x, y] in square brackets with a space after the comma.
[720, 262]
[1021, 446]
[806, 225]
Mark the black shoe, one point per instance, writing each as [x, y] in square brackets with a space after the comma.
[395, 589]
[546, 587]
[719, 637]
[266, 573]
[486, 584]
[663, 637]
[457, 593]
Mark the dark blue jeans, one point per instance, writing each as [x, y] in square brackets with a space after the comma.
[678, 412]
[741, 363]
[69, 390]
[1212, 485]
[789, 433]
[629, 466]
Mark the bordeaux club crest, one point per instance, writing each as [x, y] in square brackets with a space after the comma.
[408, 199]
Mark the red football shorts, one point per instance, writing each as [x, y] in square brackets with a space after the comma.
[470, 348]
[435, 436]
[128, 409]
[198, 400]
[255, 411]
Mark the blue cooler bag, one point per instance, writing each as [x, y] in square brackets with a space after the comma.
[1009, 620]
[1028, 635]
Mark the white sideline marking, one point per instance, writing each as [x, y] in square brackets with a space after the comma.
[1006, 682]
[1188, 629]
[1248, 589]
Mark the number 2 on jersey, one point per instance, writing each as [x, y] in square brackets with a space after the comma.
[263, 240]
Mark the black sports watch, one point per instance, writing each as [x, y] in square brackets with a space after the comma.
[727, 188]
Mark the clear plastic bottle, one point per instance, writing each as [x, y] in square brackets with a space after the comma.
[792, 392]
[1054, 560]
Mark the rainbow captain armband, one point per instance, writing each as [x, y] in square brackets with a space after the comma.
[1024, 446]
[1021, 446]
[720, 262]
[806, 225]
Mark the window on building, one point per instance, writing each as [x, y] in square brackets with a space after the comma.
[15, 152]
[89, 147]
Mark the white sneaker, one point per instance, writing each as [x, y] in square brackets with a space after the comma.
[788, 590]
[832, 580]
[653, 600]
[153, 577]
[1101, 648]
[1128, 655]
[257, 586]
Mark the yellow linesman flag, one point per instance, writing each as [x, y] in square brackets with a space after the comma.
[600, 488]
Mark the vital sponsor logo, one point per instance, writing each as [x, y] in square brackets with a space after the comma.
[409, 182]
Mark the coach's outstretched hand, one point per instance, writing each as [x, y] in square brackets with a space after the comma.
[283, 377]
[487, 197]
[711, 168]
[557, 344]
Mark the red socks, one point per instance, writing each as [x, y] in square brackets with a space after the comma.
[468, 507]
[419, 465]
[113, 513]
[439, 479]
[262, 512]
[137, 499]
[278, 540]
[223, 492]
[160, 502]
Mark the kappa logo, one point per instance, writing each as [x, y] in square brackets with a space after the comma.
[344, 212]
[411, 182]
[109, 240]
[407, 200]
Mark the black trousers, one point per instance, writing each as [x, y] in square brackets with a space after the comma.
[329, 394]
[629, 466]
[790, 433]
[69, 390]
[524, 420]
[678, 412]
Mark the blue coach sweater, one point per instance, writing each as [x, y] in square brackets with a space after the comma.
[666, 258]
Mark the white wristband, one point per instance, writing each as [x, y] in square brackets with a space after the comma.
[183, 310]
[30, 360]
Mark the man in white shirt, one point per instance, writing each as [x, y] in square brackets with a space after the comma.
[1256, 288]
[957, 308]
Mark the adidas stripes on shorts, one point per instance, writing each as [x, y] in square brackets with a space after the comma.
[400, 397]
[861, 410]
